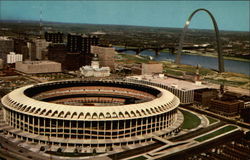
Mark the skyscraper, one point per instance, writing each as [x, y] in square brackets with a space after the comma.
[81, 43]
[54, 37]
[6, 46]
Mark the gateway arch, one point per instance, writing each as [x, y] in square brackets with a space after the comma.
[219, 51]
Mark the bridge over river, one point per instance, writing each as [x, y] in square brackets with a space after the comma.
[157, 50]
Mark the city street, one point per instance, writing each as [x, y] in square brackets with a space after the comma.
[12, 151]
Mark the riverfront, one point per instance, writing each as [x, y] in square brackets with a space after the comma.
[210, 62]
[207, 75]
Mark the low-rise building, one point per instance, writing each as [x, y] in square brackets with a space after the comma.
[32, 67]
[94, 70]
[226, 106]
[184, 90]
[88, 71]
[151, 68]
[204, 96]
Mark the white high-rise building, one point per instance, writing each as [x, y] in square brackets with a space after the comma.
[12, 57]
[40, 45]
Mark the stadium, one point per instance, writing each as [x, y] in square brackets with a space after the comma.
[96, 114]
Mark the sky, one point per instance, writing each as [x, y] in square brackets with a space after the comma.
[230, 15]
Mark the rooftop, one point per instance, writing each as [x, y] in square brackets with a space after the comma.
[39, 62]
[4, 38]
[167, 81]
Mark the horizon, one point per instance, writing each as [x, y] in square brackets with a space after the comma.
[37, 22]
[230, 15]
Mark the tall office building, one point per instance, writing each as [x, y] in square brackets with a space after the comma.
[57, 52]
[81, 43]
[54, 37]
[21, 47]
[74, 42]
[40, 47]
[87, 42]
[6, 46]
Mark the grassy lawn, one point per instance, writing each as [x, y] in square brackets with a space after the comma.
[211, 120]
[173, 72]
[227, 82]
[216, 133]
[190, 120]
[133, 58]
[192, 69]
[139, 158]
[186, 68]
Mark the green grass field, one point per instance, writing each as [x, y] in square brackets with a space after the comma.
[139, 158]
[211, 120]
[190, 120]
[133, 58]
[216, 133]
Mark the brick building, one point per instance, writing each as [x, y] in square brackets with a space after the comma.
[226, 106]
[204, 96]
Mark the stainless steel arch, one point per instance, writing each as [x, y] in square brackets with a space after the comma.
[219, 51]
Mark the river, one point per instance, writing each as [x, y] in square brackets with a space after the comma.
[204, 61]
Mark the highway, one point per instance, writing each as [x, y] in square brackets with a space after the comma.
[11, 151]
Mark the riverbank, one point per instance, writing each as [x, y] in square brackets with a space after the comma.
[188, 71]
[209, 54]
[214, 54]
[207, 75]
[194, 52]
